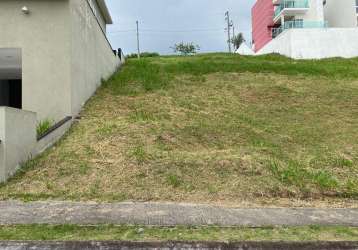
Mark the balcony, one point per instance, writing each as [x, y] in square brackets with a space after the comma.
[299, 24]
[290, 7]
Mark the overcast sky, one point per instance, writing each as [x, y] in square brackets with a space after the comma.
[166, 22]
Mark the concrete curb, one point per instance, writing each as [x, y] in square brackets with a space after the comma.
[169, 214]
[112, 245]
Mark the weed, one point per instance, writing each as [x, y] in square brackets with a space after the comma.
[43, 127]
[343, 162]
[139, 154]
[174, 180]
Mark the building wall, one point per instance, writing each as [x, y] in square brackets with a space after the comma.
[315, 12]
[280, 45]
[315, 43]
[65, 53]
[341, 13]
[44, 37]
[92, 58]
[97, 12]
[262, 19]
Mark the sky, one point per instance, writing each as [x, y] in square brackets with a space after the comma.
[163, 23]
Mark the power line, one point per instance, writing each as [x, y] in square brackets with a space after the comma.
[183, 31]
[167, 31]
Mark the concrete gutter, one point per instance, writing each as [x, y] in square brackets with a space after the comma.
[169, 214]
[114, 245]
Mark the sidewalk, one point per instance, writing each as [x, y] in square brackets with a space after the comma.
[168, 214]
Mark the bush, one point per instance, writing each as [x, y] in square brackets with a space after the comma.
[144, 54]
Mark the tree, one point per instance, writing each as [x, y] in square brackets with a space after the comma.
[238, 40]
[186, 48]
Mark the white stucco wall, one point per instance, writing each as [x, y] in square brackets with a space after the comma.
[97, 12]
[44, 38]
[341, 13]
[92, 58]
[65, 53]
[315, 12]
[280, 45]
[18, 139]
[315, 43]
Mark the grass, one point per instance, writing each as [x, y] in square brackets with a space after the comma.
[137, 233]
[217, 128]
[43, 127]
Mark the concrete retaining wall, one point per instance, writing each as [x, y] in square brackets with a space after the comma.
[50, 139]
[18, 139]
[315, 43]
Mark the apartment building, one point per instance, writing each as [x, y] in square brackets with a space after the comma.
[291, 14]
[299, 21]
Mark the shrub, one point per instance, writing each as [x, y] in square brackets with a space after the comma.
[186, 48]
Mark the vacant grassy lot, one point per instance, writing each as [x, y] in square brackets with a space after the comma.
[137, 233]
[212, 129]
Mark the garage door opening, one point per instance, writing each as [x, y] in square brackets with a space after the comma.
[11, 78]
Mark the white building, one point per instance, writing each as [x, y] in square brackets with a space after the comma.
[297, 14]
[53, 56]
[313, 29]
[342, 13]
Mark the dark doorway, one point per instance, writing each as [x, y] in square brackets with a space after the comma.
[11, 93]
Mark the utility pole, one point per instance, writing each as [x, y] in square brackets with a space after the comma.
[229, 25]
[233, 35]
[138, 48]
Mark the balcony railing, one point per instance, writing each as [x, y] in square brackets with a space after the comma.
[299, 24]
[305, 24]
[292, 4]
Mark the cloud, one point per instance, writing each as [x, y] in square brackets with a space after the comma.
[166, 22]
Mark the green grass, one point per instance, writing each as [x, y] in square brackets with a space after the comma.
[211, 128]
[137, 233]
[43, 127]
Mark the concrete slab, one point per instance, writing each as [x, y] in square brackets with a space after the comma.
[168, 214]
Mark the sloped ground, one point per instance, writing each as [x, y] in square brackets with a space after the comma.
[210, 129]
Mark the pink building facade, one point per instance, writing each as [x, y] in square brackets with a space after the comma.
[262, 23]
